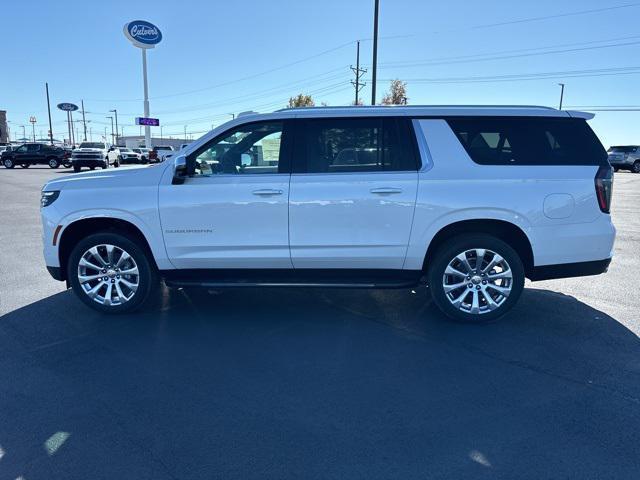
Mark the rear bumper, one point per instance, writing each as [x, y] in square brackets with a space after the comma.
[567, 270]
[56, 273]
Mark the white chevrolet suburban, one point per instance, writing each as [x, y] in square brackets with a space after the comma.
[469, 200]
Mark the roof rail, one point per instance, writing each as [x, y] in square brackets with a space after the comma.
[337, 107]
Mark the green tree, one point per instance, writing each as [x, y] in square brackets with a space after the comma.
[301, 100]
[397, 94]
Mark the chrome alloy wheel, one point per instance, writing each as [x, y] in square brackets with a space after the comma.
[108, 275]
[477, 281]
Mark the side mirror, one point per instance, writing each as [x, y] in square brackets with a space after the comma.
[179, 170]
[245, 160]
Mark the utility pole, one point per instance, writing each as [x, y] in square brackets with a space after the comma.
[24, 135]
[185, 133]
[561, 94]
[112, 134]
[375, 52]
[49, 112]
[84, 122]
[233, 116]
[358, 72]
[116, 114]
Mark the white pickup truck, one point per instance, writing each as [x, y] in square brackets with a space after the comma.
[94, 154]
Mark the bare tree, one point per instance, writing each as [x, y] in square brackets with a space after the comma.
[397, 94]
[301, 100]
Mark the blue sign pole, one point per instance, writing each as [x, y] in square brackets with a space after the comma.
[144, 35]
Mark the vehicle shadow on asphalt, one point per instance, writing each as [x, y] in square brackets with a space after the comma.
[298, 383]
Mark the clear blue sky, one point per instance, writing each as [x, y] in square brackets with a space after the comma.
[222, 57]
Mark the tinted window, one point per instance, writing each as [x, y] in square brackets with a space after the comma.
[529, 141]
[33, 147]
[341, 145]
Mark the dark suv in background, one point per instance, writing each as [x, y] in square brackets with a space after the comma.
[36, 154]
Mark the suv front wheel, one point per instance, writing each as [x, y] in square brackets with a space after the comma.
[8, 163]
[111, 273]
[476, 278]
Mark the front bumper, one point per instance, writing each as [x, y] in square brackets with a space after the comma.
[88, 162]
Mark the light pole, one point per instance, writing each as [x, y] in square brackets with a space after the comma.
[24, 135]
[116, 114]
[185, 133]
[112, 134]
[32, 119]
[374, 70]
[561, 94]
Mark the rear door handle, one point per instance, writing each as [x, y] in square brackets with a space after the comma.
[267, 191]
[385, 191]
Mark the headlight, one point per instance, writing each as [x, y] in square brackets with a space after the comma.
[47, 198]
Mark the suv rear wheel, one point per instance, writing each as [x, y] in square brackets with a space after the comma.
[636, 166]
[476, 278]
[111, 273]
[8, 163]
[53, 162]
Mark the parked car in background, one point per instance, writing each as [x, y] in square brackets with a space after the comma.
[625, 157]
[34, 154]
[159, 152]
[144, 153]
[470, 200]
[5, 148]
[129, 156]
[93, 155]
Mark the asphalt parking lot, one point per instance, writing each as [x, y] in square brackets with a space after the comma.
[296, 383]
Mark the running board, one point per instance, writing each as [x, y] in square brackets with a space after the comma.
[307, 278]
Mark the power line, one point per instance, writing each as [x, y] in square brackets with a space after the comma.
[559, 15]
[530, 76]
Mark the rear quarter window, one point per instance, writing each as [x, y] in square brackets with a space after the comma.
[528, 141]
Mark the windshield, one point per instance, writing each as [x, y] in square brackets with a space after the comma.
[164, 148]
[92, 145]
[124, 149]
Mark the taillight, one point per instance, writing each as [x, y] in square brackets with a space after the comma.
[604, 188]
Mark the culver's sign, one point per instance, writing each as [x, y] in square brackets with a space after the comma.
[142, 34]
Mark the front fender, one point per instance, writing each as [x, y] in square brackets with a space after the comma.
[151, 233]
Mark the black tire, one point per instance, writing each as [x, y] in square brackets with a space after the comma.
[636, 167]
[149, 283]
[25, 165]
[455, 246]
[67, 164]
[53, 162]
[615, 169]
[8, 163]
[92, 168]
[76, 168]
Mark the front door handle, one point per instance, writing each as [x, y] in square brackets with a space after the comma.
[267, 192]
[386, 191]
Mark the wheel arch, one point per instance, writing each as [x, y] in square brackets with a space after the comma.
[84, 227]
[504, 230]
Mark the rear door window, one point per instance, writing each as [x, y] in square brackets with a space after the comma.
[345, 145]
[528, 141]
